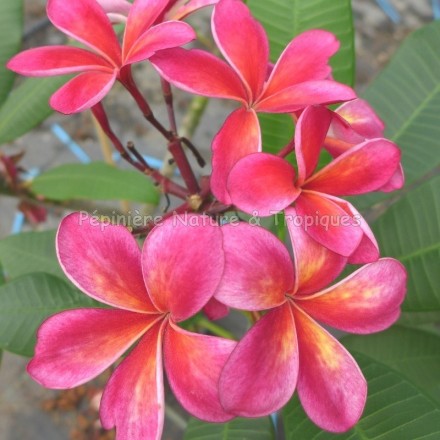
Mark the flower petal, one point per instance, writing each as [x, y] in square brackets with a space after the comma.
[104, 261]
[193, 364]
[262, 184]
[115, 6]
[78, 345]
[331, 387]
[258, 268]
[261, 373]
[82, 92]
[57, 60]
[199, 72]
[301, 95]
[396, 182]
[363, 168]
[315, 265]
[246, 48]
[215, 310]
[328, 223]
[133, 400]
[162, 36]
[180, 270]
[180, 11]
[239, 136]
[310, 133]
[365, 302]
[304, 59]
[86, 21]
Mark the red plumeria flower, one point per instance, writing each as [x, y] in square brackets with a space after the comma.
[86, 22]
[263, 184]
[355, 122]
[287, 349]
[149, 293]
[299, 78]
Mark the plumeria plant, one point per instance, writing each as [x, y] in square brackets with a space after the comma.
[153, 293]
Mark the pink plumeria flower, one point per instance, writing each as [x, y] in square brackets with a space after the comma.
[87, 22]
[150, 293]
[117, 10]
[355, 122]
[287, 349]
[299, 78]
[263, 184]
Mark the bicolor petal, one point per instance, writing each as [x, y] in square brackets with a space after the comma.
[133, 399]
[262, 184]
[261, 373]
[365, 302]
[193, 363]
[183, 8]
[77, 345]
[246, 48]
[180, 270]
[258, 268]
[331, 387]
[104, 261]
[239, 136]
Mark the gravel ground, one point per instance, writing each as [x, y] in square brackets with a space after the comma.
[28, 412]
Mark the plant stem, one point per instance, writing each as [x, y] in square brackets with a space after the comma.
[215, 328]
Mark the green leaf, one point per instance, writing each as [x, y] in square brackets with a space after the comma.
[26, 301]
[2, 275]
[406, 96]
[27, 106]
[238, 429]
[95, 181]
[29, 252]
[283, 20]
[409, 231]
[11, 26]
[395, 410]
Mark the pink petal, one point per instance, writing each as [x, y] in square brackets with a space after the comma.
[261, 374]
[331, 387]
[182, 262]
[304, 59]
[78, 345]
[133, 400]
[246, 48]
[239, 136]
[162, 36]
[328, 223]
[86, 21]
[315, 265]
[262, 184]
[215, 310]
[258, 268]
[104, 261]
[365, 302]
[310, 133]
[82, 92]
[396, 182]
[115, 6]
[142, 15]
[301, 95]
[193, 364]
[361, 169]
[199, 72]
[57, 60]
[182, 10]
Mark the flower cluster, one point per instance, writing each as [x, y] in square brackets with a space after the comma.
[183, 269]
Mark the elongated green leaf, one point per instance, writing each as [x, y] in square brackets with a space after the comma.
[284, 19]
[2, 275]
[238, 429]
[27, 106]
[29, 252]
[26, 301]
[11, 27]
[95, 181]
[395, 410]
[410, 232]
[406, 95]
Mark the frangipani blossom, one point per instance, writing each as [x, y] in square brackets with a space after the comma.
[149, 292]
[287, 349]
[298, 79]
[265, 184]
[87, 22]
